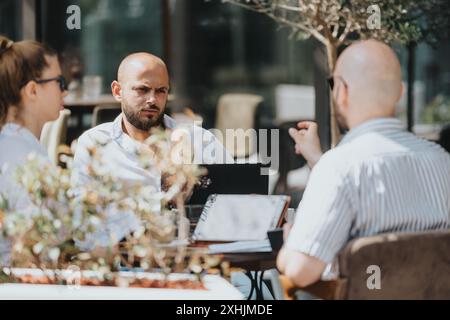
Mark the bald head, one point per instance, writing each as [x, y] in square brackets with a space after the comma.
[372, 72]
[137, 64]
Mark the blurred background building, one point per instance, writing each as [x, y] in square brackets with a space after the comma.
[213, 49]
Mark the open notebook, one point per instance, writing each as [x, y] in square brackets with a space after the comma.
[240, 217]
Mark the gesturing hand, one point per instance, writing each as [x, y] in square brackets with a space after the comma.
[286, 230]
[307, 141]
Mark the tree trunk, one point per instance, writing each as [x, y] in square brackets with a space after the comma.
[322, 94]
[411, 78]
[332, 57]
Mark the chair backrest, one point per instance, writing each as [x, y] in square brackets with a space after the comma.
[237, 111]
[294, 102]
[54, 134]
[105, 113]
[411, 266]
[387, 266]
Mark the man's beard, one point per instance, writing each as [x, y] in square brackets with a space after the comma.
[147, 123]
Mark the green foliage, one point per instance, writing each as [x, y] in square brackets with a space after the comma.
[341, 21]
[438, 111]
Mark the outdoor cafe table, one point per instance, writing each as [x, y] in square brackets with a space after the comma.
[254, 264]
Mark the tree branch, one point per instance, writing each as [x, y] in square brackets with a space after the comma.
[273, 16]
[344, 34]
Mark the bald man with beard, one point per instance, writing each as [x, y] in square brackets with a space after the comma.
[379, 179]
[142, 88]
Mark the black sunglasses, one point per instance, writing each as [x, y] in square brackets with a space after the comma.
[61, 80]
[331, 81]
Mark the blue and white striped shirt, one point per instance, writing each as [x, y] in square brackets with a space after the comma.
[379, 179]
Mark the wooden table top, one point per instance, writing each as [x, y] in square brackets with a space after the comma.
[250, 261]
[104, 99]
[90, 102]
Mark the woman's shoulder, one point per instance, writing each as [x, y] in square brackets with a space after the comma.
[16, 150]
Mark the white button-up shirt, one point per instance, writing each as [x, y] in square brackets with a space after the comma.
[16, 144]
[379, 179]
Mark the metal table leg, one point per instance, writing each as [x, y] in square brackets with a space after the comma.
[255, 286]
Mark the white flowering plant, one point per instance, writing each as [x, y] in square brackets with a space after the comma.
[53, 234]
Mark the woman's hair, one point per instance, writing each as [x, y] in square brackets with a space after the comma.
[20, 62]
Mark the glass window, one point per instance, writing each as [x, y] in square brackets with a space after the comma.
[9, 19]
[432, 90]
[219, 48]
[110, 29]
[211, 48]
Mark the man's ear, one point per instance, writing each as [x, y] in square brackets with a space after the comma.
[116, 90]
[341, 97]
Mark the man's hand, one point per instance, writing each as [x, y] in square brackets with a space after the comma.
[307, 142]
[286, 230]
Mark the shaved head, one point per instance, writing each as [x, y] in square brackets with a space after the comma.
[372, 74]
[138, 63]
[142, 88]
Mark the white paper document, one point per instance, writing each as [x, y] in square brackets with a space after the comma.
[241, 246]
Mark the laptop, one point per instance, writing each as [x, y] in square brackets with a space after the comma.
[230, 179]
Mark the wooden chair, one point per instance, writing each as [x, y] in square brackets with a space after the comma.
[294, 102]
[412, 266]
[237, 111]
[54, 134]
[105, 113]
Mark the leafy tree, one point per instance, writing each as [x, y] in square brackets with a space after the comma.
[336, 23]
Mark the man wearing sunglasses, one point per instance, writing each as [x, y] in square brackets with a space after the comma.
[379, 179]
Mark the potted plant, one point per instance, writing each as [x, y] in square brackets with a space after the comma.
[66, 236]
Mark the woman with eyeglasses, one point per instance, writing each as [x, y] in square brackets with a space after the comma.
[31, 93]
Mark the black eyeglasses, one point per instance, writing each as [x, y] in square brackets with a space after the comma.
[331, 81]
[61, 80]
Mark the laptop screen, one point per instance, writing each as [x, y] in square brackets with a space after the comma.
[230, 179]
